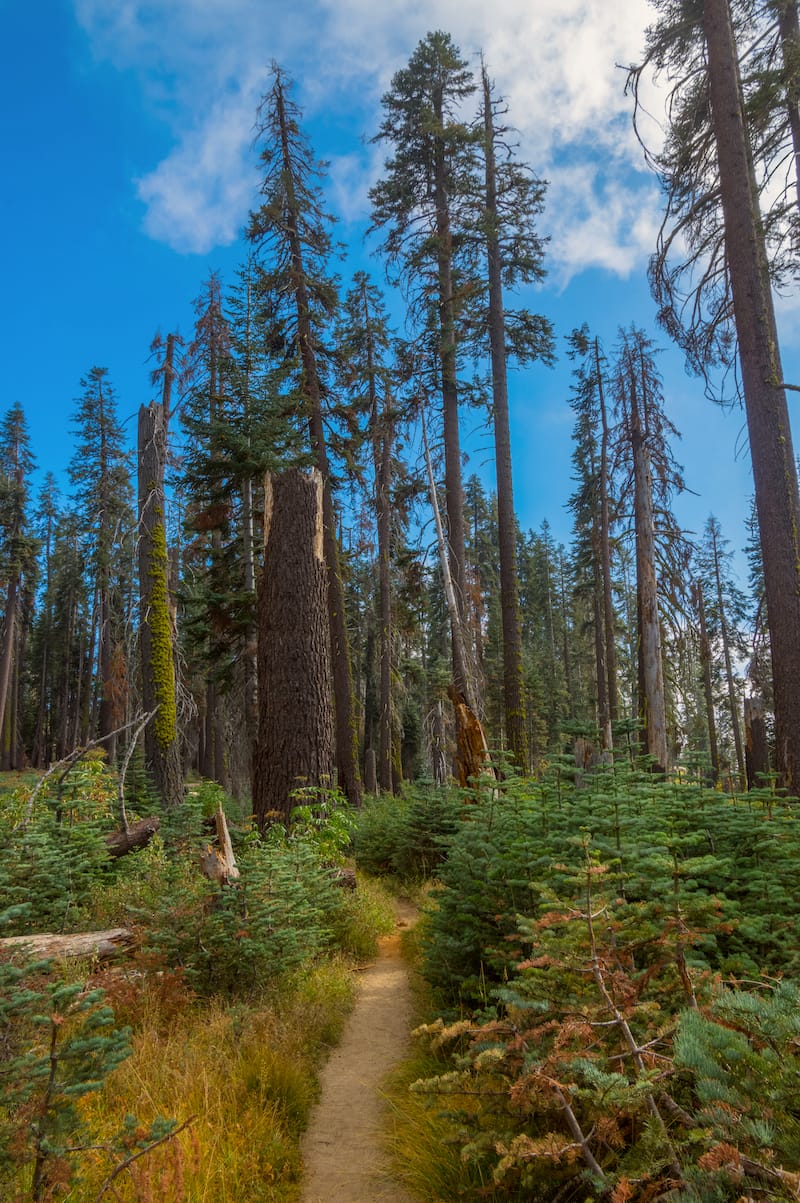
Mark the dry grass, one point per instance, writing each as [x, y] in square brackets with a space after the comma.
[246, 1075]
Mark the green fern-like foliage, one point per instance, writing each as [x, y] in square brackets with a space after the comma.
[605, 955]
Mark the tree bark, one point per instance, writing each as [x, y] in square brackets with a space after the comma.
[346, 724]
[729, 678]
[50, 946]
[162, 751]
[472, 751]
[454, 493]
[756, 747]
[708, 692]
[513, 676]
[295, 747]
[609, 617]
[652, 708]
[383, 467]
[138, 835]
[772, 454]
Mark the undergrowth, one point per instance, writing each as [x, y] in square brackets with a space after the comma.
[613, 965]
[187, 1071]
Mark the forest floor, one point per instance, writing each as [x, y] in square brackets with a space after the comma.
[343, 1149]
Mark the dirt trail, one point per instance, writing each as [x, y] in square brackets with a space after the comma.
[341, 1150]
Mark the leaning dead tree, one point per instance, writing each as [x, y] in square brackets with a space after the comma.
[295, 747]
[472, 752]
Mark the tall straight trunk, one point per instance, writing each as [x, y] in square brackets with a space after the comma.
[603, 708]
[162, 750]
[251, 636]
[652, 706]
[105, 633]
[294, 758]
[9, 639]
[565, 656]
[708, 692]
[248, 551]
[454, 493]
[346, 720]
[11, 608]
[383, 507]
[733, 704]
[609, 617]
[771, 450]
[513, 676]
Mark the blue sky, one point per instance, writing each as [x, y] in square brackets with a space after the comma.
[126, 136]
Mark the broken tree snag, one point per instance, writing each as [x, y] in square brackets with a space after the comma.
[50, 947]
[120, 843]
[472, 751]
[295, 746]
[219, 864]
[756, 753]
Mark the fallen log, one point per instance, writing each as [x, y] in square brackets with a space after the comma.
[94, 944]
[120, 843]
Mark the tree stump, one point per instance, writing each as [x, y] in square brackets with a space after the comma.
[295, 747]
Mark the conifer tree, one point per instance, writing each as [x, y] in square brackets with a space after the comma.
[725, 611]
[207, 472]
[291, 233]
[156, 640]
[649, 474]
[17, 560]
[422, 205]
[512, 200]
[99, 472]
[718, 252]
[591, 504]
[365, 372]
[44, 655]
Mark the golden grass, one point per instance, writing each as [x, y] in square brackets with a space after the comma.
[247, 1076]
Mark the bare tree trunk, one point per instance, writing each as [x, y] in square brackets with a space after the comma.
[708, 693]
[609, 617]
[9, 639]
[771, 450]
[729, 678]
[346, 723]
[382, 480]
[162, 751]
[652, 707]
[295, 748]
[472, 752]
[757, 750]
[454, 493]
[513, 676]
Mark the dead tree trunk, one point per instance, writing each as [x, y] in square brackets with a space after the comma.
[162, 752]
[756, 745]
[768, 425]
[295, 748]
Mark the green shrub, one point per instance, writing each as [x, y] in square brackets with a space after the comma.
[241, 938]
[407, 836]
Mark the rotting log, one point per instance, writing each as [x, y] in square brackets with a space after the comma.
[93, 944]
[120, 843]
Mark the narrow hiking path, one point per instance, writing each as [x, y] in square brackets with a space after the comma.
[342, 1149]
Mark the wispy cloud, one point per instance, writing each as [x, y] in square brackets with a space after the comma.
[203, 62]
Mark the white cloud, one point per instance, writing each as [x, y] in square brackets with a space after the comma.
[555, 61]
[198, 196]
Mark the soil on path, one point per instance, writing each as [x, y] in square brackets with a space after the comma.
[342, 1149]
